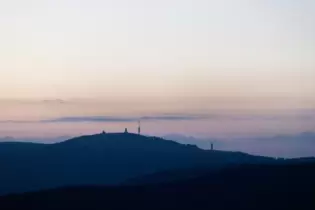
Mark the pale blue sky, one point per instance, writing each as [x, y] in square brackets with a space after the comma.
[93, 48]
[104, 58]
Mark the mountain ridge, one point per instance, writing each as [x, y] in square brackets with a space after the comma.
[104, 159]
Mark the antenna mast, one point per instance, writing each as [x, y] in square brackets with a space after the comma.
[211, 145]
[139, 127]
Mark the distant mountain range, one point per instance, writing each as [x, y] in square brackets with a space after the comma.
[288, 146]
[46, 140]
[104, 159]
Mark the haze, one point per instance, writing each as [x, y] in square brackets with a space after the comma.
[239, 61]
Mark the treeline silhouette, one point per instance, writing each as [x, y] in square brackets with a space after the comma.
[260, 187]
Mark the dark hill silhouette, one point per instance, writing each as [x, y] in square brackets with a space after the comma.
[259, 187]
[289, 146]
[165, 177]
[103, 159]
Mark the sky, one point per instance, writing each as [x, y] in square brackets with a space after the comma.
[246, 66]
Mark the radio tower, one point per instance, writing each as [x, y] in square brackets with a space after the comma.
[211, 145]
[139, 127]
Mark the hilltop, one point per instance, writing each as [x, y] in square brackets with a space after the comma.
[104, 159]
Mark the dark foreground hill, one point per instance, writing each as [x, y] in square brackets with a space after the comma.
[103, 159]
[258, 187]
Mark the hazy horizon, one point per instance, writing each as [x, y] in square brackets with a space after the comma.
[218, 118]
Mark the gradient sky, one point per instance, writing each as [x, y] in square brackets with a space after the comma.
[123, 52]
